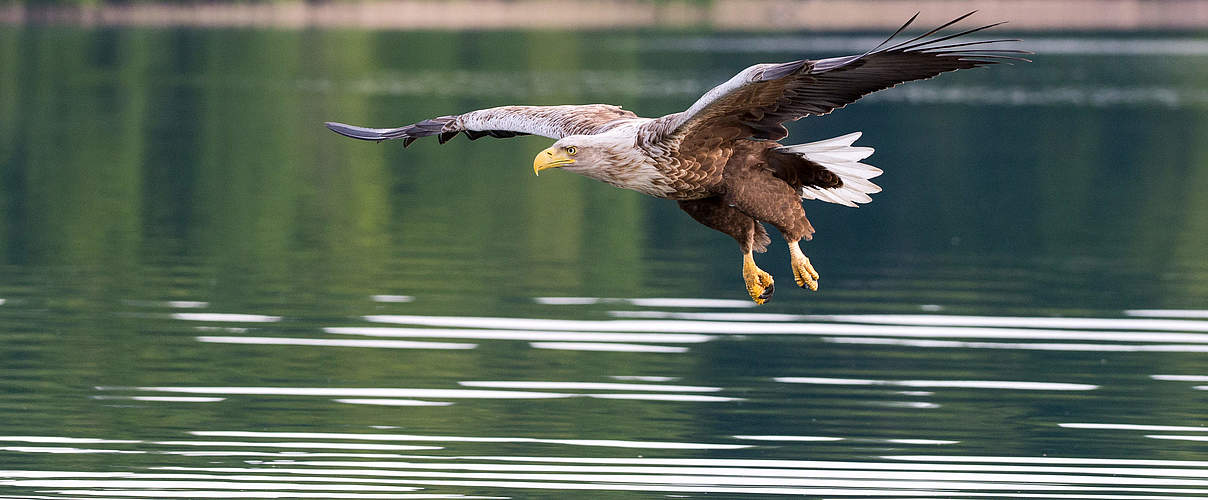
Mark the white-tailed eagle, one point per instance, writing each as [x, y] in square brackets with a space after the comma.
[720, 159]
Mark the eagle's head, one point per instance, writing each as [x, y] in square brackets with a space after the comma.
[610, 157]
[581, 153]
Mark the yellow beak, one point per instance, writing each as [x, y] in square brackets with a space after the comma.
[550, 158]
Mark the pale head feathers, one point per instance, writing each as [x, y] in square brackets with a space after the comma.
[611, 157]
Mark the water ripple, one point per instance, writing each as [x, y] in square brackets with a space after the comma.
[962, 384]
[534, 335]
[227, 317]
[591, 386]
[382, 344]
[607, 347]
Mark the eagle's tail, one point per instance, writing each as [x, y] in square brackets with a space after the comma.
[838, 156]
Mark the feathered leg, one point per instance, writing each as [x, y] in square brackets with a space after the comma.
[755, 191]
[749, 234]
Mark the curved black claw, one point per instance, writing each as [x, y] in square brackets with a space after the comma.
[767, 293]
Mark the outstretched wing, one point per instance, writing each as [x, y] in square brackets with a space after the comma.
[756, 102]
[505, 121]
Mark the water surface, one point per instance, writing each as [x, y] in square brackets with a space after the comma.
[206, 294]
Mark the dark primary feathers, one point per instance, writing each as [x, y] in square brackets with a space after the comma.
[757, 101]
[554, 122]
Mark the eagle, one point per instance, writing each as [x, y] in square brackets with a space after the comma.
[721, 159]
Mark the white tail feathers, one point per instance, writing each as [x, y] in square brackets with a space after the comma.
[839, 156]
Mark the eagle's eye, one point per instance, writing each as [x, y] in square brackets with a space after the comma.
[571, 150]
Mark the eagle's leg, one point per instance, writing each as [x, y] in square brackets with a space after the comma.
[758, 193]
[803, 272]
[749, 234]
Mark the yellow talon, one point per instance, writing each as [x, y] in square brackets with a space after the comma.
[760, 285]
[803, 272]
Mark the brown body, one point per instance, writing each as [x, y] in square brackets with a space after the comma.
[752, 188]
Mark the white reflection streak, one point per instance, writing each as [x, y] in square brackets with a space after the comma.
[707, 316]
[398, 299]
[962, 384]
[387, 344]
[921, 441]
[816, 478]
[1027, 346]
[392, 402]
[782, 328]
[614, 443]
[351, 392]
[1052, 460]
[167, 399]
[1168, 313]
[1178, 438]
[197, 485]
[257, 494]
[227, 317]
[255, 475]
[864, 479]
[822, 470]
[566, 301]
[609, 347]
[648, 302]
[897, 483]
[926, 463]
[603, 386]
[499, 484]
[1045, 496]
[63, 450]
[174, 304]
[1181, 378]
[1017, 321]
[468, 439]
[279, 454]
[643, 378]
[187, 304]
[667, 397]
[487, 334]
[302, 445]
[1135, 427]
[65, 440]
[904, 404]
[791, 438]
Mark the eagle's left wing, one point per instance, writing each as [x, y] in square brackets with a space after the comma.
[755, 102]
[554, 122]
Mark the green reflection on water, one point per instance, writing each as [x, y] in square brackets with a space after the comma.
[142, 165]
[124, 148]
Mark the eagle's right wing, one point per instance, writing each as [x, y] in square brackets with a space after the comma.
[554, 122]
[757, 101]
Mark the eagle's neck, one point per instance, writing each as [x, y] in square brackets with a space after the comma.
[631, 171]
[625, 166]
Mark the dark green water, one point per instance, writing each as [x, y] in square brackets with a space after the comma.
[206, 294]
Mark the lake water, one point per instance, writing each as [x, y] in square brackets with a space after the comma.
[206, 294]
